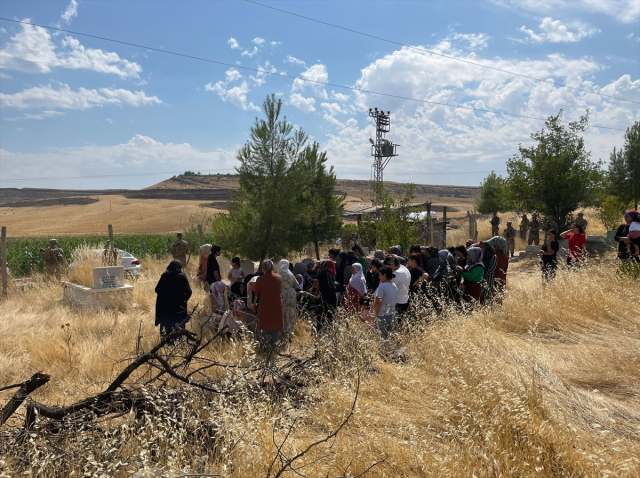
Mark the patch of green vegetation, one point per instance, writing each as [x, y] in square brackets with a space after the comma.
[24, 256]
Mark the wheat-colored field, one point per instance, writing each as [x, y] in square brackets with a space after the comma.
[127, 216]
[544, 384]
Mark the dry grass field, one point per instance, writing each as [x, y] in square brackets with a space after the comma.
[164, 215]
[544, 384]
[127, 216]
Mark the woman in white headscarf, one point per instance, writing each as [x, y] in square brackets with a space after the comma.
[288, 293]
[355, 290]
[214, 305]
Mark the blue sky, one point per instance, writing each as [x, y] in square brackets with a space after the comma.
[76, 106]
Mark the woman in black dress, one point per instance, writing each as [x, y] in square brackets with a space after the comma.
[327, 287]
[549, 259]
[173, 291]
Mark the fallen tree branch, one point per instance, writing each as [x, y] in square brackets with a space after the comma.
[58, 413]
[36, 381]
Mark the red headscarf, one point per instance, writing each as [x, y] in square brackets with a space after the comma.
[331, 267]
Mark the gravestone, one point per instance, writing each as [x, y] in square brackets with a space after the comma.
[299, 268]
[108, 277]
[225, 265]
[248, 267]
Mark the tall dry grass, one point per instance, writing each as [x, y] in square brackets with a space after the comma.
[545, 384]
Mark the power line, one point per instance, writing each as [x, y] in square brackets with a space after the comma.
[549, 82]
[282, 75]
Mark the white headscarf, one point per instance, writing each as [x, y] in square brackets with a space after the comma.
[499, 243]
[476, 258]
[284, 266]
[217, 290]
[205, 249]
[357, 280]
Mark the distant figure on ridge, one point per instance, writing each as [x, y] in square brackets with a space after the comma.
[510, 235]
[180, 249]
[53, 258]
[495, 225]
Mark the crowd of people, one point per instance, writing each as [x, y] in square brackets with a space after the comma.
[379, 289]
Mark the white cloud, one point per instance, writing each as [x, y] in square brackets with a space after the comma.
[332, 108]
[257, 41]
[302, 103]
[554, 31]
[440, 139]
[316, 72]
[71, 12]
[37, 116]
[260, 78]
[295, 61]
[251, 53]
[476, 41]
[274, 43]
[31, 50]
[339, 96]
[66, 98]
[5, 76]
[109, 120]
[140, 154]
[3, 30]
[236, 95]
[625, 11]
[233, 43]
[232, 75]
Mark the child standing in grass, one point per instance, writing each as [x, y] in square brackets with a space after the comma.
[235, 273]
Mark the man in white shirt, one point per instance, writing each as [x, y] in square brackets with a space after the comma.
[402, 280]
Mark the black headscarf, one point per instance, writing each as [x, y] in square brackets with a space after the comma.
[174, 267]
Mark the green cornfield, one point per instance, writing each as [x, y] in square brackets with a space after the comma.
[24, 256]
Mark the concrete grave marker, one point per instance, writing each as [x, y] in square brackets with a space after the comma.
[108, 277]
[247, 266]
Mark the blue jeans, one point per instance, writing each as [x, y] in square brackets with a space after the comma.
[384, 323]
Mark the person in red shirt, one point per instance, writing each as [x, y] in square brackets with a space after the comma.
[577, 243]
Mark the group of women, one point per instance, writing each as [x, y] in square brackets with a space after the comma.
[379, 289]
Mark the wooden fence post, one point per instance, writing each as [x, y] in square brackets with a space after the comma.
[200, 238]
[3, 262]
[430, 223]
[444, 227]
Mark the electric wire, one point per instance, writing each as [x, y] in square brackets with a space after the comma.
[549, 82]
[283, 75]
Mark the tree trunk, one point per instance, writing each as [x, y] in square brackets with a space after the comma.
[315, 243]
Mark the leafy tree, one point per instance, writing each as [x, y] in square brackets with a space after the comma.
[555, 175]
[264, 211]
[624, 168]
[610, 211]
[286, 194]
[392, 224]
[322, 209]
[493, 195]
